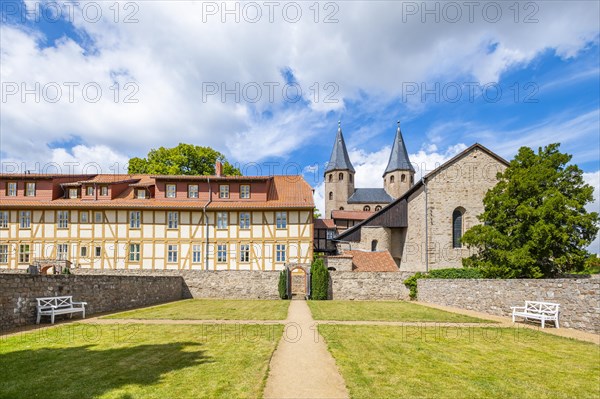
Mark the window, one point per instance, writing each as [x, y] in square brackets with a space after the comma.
[193, 191]
[341, 176]
[331, 195]
[330, 234]
[245, 191]
[222, 220]
[83, 217]
[403, 178]
[412, 180]
[24, 253]
[171, 191]
[63, 219]
[341, 208]
[134, 219]
[3, 219]
[391, 179]
[281, 220]
[11, 189]
[172, 253]
[3, 253]
[350, 176]
[330, 177]
[73, 193]
[89, 190]
[83, 252]
[134, 252]
[62, 251]
[244, 220]
[377, 208]
[373, 245]
[25, 219]
[367, 208]
[141, 193]
[172, 220]
[244, 253]
[196, 253]
[280, 253]
[104, 191]
[457, 226]
[98, 217]
[30, 189]
[222, 253]
[224, 191]
[98, 251]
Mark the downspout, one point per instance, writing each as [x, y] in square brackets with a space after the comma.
[206, 225]
[426, 229]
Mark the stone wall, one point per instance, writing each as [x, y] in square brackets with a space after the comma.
[369, 285]
[579, 298]
[234, 284]
[102, 293]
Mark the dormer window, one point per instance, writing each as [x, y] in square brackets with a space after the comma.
[141, 193]
[224, 191]
[171, 191]
[193, 191]
[73, 193]
[245, 191]
[11, 189]
[30, 189]
[89, 190]
[104, 191]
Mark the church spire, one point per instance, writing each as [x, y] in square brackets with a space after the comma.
[399, 156]
[339, 159]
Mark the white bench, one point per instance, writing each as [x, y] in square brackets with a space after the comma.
[542, 311]
[52, 306]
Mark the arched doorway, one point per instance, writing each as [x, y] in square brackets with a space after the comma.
[298, 281]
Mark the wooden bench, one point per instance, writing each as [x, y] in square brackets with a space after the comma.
[543, 311]
[52, 306]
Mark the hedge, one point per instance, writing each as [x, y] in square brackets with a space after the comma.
[411, 282]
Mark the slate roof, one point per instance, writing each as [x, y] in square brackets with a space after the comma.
[339, 159]
[370, 196]
[399, 156]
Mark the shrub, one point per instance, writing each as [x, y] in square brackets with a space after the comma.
[411, 282]
[319, 276]
[283, 284]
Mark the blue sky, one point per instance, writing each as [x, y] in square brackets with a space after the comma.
[191, 72]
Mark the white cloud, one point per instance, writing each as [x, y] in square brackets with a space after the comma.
[593, 179]
[319, 198]
[175, 50]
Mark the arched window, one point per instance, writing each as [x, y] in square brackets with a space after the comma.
[331, 195]
[373, 245]
[351, 178]
[341, 176]
[391, 179]
[412, 180]
[377, 208]
[341, 208]
[330, 177]
[367, 208]
[457, 227]
[403, 178]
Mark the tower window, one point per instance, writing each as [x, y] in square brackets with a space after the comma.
[331, 195]
[341, 208]
[377, 208]
[403, 178]
[367, 208]
[412, 180]
[351, 178]
[373, 245]
[457, 227]
[341, 176]
[330, 177]
[391, 179]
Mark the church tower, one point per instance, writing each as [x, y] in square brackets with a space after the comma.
[399, 174]
[339, 176]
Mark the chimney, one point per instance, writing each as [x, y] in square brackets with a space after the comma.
[219, 168]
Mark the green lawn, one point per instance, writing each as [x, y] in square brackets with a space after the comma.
[452, 362]
[385, 311]
[137, 361]
[211, 309]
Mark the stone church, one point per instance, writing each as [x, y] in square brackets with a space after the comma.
[407, 225]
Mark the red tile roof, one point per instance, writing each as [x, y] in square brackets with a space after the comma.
[324, 224]
[350, 215]
[363, 261]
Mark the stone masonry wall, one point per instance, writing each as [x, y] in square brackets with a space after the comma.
[368, 285]
[102, 293]
[579, 298]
